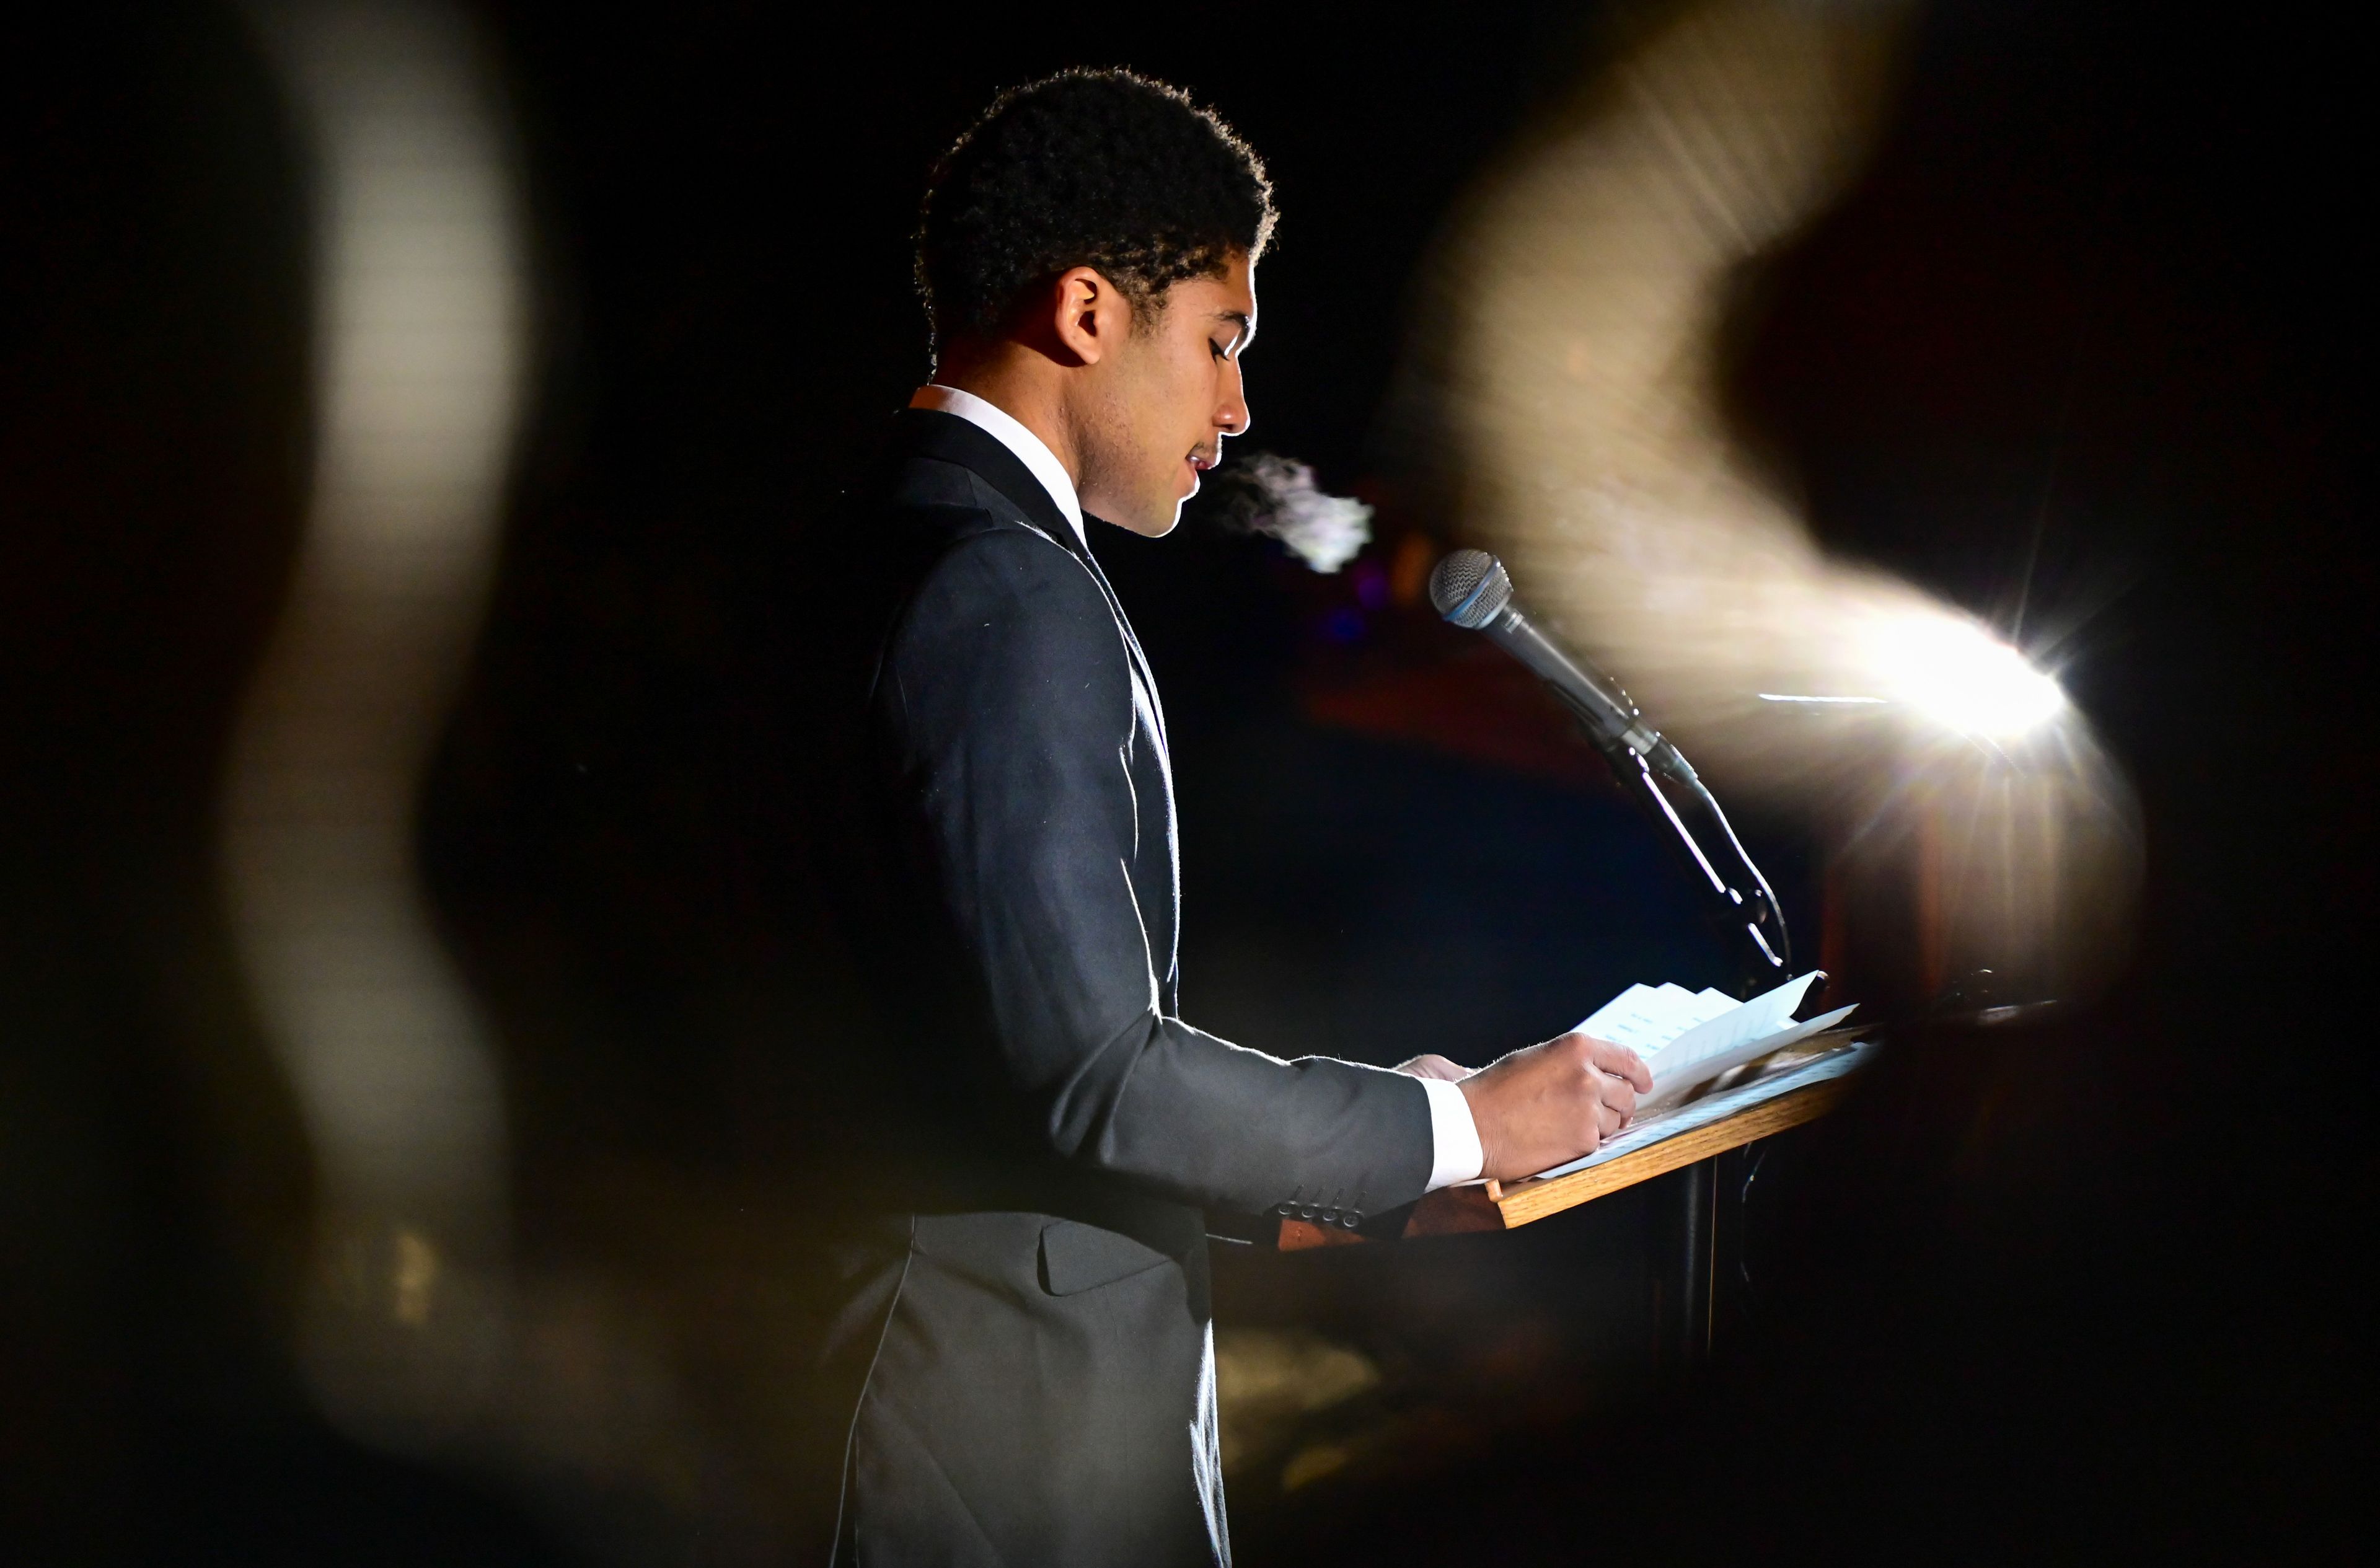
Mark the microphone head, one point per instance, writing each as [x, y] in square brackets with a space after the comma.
[1470, 587]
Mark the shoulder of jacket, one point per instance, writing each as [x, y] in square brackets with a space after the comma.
[984, 552]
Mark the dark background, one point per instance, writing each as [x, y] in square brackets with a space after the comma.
[2075, 1291]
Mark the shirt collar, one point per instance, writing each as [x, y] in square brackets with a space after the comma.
[997, 423]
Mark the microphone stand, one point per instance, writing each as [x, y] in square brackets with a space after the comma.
[1471, 588]
[1742, 909]
[1735, 898]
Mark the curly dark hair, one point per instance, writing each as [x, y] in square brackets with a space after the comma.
[1086, 168]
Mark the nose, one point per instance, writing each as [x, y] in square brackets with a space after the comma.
[1233, 417]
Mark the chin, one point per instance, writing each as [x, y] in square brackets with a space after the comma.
[1158, 521]
[1155, 515]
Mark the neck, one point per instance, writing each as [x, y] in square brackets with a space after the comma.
[1023, 384]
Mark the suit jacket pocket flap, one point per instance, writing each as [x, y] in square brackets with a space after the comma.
[1079, 1258]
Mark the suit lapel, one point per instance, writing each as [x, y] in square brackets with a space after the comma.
[930, 432]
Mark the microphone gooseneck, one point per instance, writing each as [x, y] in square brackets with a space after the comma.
[1471, 588]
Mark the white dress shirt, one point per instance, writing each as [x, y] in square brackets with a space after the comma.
[1454, 1136]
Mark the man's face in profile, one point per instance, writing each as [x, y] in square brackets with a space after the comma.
[1175, 393]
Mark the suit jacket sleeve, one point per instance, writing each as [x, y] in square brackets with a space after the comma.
[1008, 694]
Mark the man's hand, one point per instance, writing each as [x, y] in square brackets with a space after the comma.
[1552, 1102]
[1427, 1065]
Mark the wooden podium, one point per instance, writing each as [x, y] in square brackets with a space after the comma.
[1503, 1206]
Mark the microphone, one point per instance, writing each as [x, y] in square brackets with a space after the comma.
[1471, 588]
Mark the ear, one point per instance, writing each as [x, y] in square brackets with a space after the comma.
[1092, 315]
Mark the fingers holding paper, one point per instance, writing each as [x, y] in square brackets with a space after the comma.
[1552, 1102]
[1620, 1075]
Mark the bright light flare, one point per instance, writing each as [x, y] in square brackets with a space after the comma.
[1569, 393]
[1963, 678]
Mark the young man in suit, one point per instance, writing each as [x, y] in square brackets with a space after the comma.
[1022, 1369]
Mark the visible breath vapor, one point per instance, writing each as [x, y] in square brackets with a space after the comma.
[1274, 495]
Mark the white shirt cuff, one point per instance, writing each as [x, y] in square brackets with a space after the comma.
[1453, 1136]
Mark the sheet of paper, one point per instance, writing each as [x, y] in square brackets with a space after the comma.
[1644, 1018]
[1712, 1108]
[1689, 1038]
[1765, 1014]
[1673, 1080]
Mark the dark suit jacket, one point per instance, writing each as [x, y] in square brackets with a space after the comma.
[1040, 1387]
